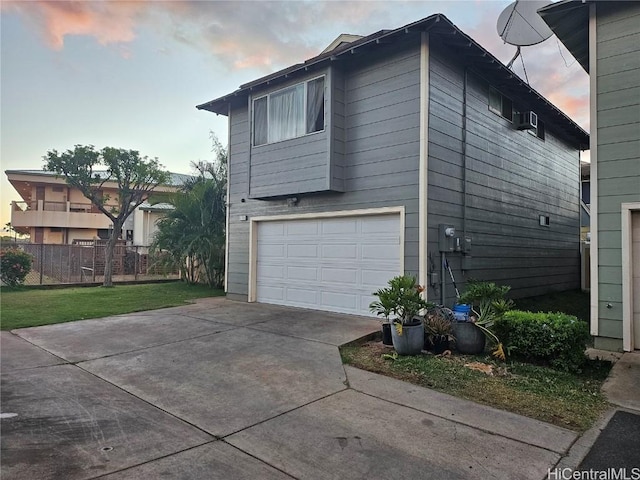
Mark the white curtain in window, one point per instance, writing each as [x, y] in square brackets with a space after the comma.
[260, 121]
[286, 114]
[315, 105]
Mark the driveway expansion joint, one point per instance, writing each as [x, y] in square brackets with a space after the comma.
[214, 437]
[265, 420]
[456, 422]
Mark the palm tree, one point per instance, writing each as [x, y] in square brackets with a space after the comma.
[192, 235]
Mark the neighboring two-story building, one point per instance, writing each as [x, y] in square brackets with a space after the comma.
[605, 39]
[51, 212]
[388, 154]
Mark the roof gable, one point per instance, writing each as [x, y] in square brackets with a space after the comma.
[343, 39]
[438, 25]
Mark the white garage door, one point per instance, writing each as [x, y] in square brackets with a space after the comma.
[332, 264]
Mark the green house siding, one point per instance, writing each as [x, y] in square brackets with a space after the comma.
[618, 155]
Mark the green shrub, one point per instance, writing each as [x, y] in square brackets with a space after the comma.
[14, 266]
[476, 291]
[556, 339]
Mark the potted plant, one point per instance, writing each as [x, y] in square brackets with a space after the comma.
[383, 307]
[438, 330]
[488, 304]
[404, 301]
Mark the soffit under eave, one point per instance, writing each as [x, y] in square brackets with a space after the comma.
[569, 21]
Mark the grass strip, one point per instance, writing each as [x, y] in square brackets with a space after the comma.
[24, 307]
[573, 401]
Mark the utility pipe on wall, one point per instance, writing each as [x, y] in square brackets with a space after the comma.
[443, 281]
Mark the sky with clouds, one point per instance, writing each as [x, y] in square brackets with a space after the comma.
[129, 74]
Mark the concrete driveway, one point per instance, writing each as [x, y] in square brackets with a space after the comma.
[227, 390]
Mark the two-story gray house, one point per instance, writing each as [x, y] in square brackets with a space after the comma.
[605, 39]
[391, 154]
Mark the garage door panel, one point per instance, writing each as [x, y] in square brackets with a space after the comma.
[341, 275]
[271, 292]
[332, 264]
[377, 251]
[302, 273]
[371, 278]
[342, 226]
[380, 225]
[340, 250]
[365, 301]
[272, 271]
[302, 251]
[271, 229]
[306, 296]
[339, 301]
[267, 251]
[302, 227]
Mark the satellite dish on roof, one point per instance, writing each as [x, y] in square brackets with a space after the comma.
[519, 24]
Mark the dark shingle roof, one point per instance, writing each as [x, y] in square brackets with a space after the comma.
[438, 25]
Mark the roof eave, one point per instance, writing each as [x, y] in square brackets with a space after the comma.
[569, 21]
[220, 105]
[453, 36]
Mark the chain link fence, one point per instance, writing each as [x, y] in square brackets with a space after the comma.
[84, 262]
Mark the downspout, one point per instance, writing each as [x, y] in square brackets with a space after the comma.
[423, 173]
[593, 150]
[464, 154]
[226, 227]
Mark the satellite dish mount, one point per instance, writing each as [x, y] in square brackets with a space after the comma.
[520, 25]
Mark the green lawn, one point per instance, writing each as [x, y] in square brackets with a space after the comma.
[26, 307]
[569, 400]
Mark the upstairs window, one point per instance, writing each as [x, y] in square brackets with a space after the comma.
[500, 104]
[289, 113]
[538, 131]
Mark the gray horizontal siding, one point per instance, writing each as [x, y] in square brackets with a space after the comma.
[618, 111]
[376, 143]
[337, 125]
[511, 178]
[308, 172]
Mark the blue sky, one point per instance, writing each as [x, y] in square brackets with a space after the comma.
[129, 74]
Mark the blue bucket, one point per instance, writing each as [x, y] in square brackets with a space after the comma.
[461, 312]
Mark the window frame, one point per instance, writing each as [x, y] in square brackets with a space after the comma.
[305, 101]
[539, 131]
[500, 111]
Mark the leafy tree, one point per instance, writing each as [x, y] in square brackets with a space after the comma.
[135, 178]
[192, 236]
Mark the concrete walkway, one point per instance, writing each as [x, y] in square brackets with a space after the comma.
[226, 390]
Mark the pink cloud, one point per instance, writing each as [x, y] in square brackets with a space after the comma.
[565, 85]
[107, 22]
[267, 35]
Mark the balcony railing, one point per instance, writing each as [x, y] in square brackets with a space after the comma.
[43, 213]
[53, 206]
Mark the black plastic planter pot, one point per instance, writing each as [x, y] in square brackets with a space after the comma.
[470, 340]
[386, 334]
[440, 344]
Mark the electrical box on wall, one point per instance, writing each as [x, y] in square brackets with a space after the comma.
[466, 245]
[446, 234]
